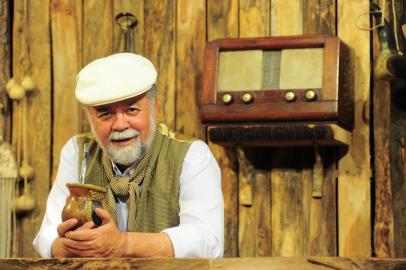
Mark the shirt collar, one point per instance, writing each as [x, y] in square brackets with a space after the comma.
[127, 173]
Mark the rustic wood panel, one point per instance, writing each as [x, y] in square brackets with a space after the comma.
[383, 227]
[254, 226]
[354, 174]
[319, 18]
[254, 18]
[222, 18]
[66, 29]
[398, 148]
[254, 202]
[136, 8]
[97, 29]
[159, 47]
[35, 26]
[322, 237]
[226, 158]
[288, 230]
[5, 68]
[286, 17]
[190, 41]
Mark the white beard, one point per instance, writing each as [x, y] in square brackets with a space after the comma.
[127, 155]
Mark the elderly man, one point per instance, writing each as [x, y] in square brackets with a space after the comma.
[163, 194]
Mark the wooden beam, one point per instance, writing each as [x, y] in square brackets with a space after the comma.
[288, 230]
[159, 47]
[383, 227]
[190, 41]
[97, 31]
[254, 226]
[32, 29]
[319, 17]
[398, 145]
[5, 68]
[222, 18]
[354, 171]
[66, 32]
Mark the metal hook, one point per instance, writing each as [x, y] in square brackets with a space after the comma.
[127, 22]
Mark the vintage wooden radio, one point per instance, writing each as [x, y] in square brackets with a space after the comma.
[302, 81]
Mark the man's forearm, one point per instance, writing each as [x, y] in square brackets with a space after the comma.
[148, 245]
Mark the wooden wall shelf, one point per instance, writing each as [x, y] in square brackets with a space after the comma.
[287, 134]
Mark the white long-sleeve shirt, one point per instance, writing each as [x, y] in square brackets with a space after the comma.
[201, 229]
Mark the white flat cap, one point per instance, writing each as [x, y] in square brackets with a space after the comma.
[114, 78]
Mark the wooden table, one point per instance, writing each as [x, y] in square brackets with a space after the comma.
[269, 263]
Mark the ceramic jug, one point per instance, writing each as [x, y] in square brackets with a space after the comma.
[81, 203]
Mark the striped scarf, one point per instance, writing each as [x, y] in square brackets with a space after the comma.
[126, 186]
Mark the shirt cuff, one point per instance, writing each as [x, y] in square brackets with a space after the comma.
[43, 243]
[191, 242]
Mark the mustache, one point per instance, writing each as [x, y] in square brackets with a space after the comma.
[123, 135]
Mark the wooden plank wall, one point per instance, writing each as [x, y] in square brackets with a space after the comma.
[222, 22]
[354, 170]
[389, 109]
[269, 209]
[5, 68]
[32, 43]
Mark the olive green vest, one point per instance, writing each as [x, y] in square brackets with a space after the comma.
[159, 204]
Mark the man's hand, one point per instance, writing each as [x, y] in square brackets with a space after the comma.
[59, 246]
[103, 241]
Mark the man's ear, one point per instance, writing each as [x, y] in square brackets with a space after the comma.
[156, 105]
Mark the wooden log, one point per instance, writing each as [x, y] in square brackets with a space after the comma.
[66, 32]
[32, 29]
[97, 37]
[354, 171]
[5, 68]
[222, 17]
[190, 41]
[159, 47]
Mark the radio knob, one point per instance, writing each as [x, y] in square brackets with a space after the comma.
[247, 98]
[227, 98]
[290, 96]
[311, 95]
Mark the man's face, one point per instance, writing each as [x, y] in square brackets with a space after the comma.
[124, 128]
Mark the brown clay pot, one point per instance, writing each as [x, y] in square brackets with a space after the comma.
[83, 199]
